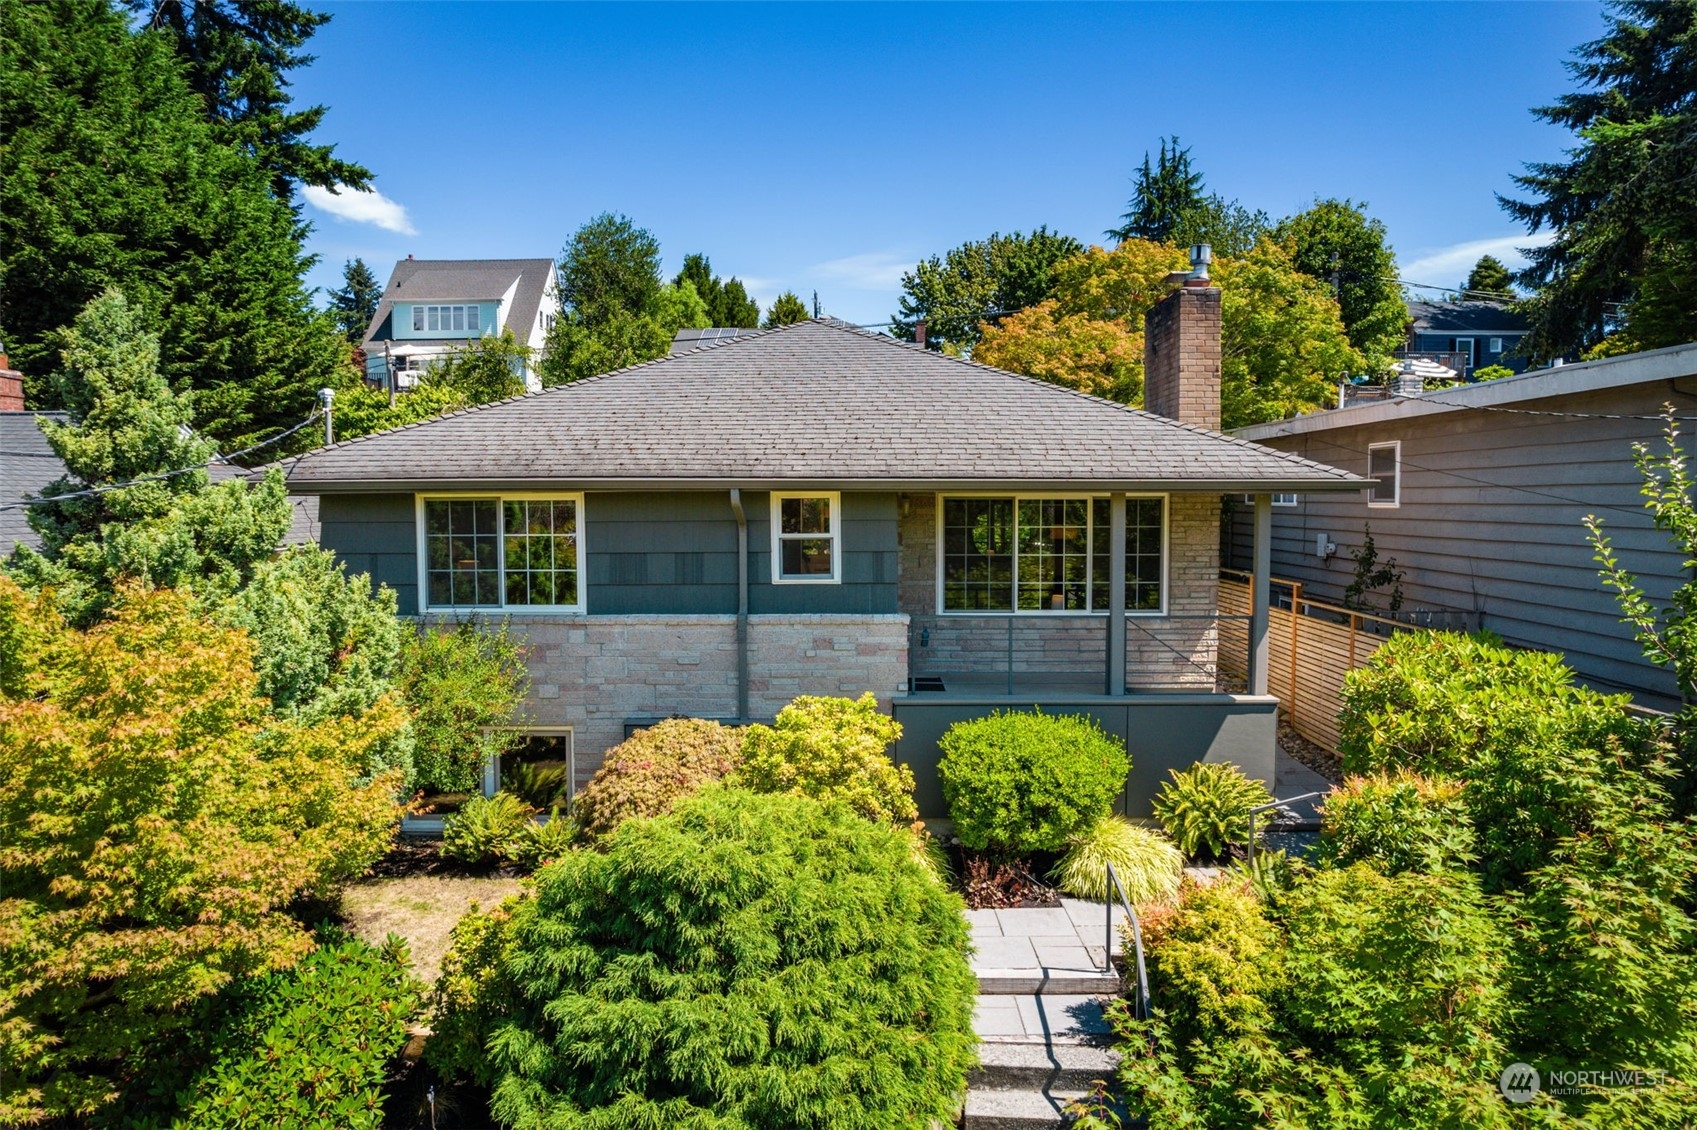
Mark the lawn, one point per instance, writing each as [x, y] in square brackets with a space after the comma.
[420, 908]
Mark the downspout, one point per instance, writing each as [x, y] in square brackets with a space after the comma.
[742, 604]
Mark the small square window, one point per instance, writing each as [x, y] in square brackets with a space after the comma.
[1384, 463]
[1496, 345]
[805, 538]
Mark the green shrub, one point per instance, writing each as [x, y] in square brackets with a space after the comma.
[653, 769]
[468, 995]
[1148, 865]
[461, 685]
[484, 829]
[1216, 967]
[831, 748]
[747, 961]
[1397, 822]
[1021, 782]
[538, 843]
[309, 1047]
[1492, 372]
[1206, 808]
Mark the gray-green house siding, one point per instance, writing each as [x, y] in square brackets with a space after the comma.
[651, 552]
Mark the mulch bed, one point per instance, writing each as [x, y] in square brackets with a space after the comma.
[415, 855]
[1317, 758]
[989, 884]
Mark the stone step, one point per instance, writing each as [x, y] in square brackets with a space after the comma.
[1047, 980]
[1017, 1110]
[1007, 1065]
[1050, 1019]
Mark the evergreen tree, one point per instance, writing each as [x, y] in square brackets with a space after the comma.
[1488, 279]
[610, 267]
[1162, 197]
[957, 293]
[727, 300]
[1623, 205]
[187, 227]
[355, 304]
[1336, 242]
[787, 310]
[236, 55]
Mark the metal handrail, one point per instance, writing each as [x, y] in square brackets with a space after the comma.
[1141, 1008]
[1259, 809]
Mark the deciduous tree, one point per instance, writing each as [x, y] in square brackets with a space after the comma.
[976, 282]
[1336, 242]
[728, 303]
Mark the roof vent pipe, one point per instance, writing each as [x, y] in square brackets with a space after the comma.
[1201, 254]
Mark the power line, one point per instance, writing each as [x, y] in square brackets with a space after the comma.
[91, 492]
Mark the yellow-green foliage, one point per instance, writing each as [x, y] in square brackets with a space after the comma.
[831, 748]
[747, 962]
[1027, 781]
[486, 828]
[650, 771]
[466, 999]
[1147, 863]
[1217, 966]
[158, 819]
[1397, 822]
[541, 842]
[1206, 808]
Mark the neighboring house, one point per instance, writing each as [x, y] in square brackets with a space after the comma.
[1481, 495]
[434, 306]
[1465, 336]
[819, 510]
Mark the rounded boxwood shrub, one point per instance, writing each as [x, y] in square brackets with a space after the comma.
[1205, 808]
[1028, 781]
[747, 961]
[650, 771]
[831, 748]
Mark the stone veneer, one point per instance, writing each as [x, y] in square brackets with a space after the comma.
[1176, 651]
[594, 673]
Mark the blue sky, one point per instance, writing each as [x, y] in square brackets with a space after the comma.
[828, 147]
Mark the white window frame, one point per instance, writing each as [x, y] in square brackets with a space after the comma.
[425, 608]
[1090, 551]
[1496, 345]
[774, 519]
[1395, 500]
[421, 317]
[1277, 499]
[492, 766]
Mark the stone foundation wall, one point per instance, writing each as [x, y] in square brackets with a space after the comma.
[594, 673]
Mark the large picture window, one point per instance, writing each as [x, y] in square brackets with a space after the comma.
[1048, 554]
[519, 552]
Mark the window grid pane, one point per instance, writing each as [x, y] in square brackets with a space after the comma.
[1054, 566]
[541, 548]
[462, 551]
[1062, 557]
[978, 558]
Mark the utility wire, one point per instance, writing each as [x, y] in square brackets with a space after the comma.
[90, 492]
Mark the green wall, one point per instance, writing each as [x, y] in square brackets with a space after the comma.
[650, 552]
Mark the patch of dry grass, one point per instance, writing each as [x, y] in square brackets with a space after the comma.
[420, 908]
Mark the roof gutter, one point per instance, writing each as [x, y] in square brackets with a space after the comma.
[742, 604]
[1273, 485]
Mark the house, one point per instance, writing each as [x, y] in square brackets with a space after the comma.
[434, 306]
[28, 466]
[1465, 336]
[1480, 498]
[817, 509]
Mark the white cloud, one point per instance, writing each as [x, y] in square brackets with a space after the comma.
[1448, 266]
[874, 270]
[355, 206]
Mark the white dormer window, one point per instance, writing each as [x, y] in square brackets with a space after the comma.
[446, 319]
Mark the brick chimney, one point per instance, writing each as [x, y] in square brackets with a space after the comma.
[11, 385]
[1181, 349]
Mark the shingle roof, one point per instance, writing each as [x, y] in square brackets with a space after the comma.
[1465, 317]
[817, 403]
[445, 280]
[27, 465]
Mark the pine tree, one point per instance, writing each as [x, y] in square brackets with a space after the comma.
[786, 310]
[1163, 196]
[1623, 206]
[1488, 279]
[728, 303]
[355, 304]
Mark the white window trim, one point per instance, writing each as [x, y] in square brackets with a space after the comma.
[492, 766]
[425, 608]
[1287, 499]
[1090, 551]
[422, 314]
[775, 503]
[1496, 345]
[1396, 477]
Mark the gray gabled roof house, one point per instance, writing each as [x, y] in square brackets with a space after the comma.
[819, 510]
[1481, 495]
[433, 306]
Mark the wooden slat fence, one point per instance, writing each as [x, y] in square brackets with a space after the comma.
[1312, 647]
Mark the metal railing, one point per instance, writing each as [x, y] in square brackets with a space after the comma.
[1140, 1007]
